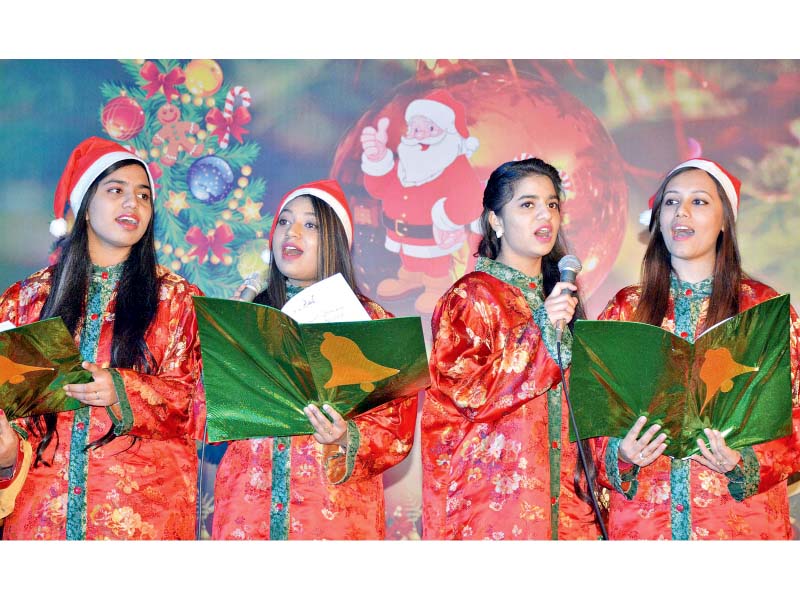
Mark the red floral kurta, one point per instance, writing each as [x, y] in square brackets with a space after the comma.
[330, 495]
[144, 491]
[643, 506]
[486, 446]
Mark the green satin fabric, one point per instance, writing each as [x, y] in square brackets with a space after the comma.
[46, 344]
[261, 368]
[622, 370]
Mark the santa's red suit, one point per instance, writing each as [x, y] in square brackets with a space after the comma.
[409, 214]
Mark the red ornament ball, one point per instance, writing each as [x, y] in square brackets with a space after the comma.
[123, 118]
[515, 116]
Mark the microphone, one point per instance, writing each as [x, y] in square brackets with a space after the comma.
[252, 286]
[569, 266]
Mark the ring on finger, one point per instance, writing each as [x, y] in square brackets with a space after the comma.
[641, 455]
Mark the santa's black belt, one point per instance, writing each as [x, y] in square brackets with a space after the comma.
[404, 229]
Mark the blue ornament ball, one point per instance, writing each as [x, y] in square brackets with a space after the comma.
[210, 179]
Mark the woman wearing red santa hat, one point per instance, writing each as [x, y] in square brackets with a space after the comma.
[124, 466]
[692, 278]
[496, 456]
[327, 485]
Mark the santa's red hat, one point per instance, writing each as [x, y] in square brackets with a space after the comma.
[729, 183]
[327, 190]
[88, 160]
[448, 113]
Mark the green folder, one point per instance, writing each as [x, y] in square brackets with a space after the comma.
[261, 367]
[36, 362]
[734, 378]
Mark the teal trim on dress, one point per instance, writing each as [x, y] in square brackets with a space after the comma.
[279, 502]
[554, 446]
[101, 289]
[78, 472]
[20, 431]
[680, 510]
[690, 300]
[125, 424]
[353, 444]
[744, 480]
[280, 493]
[615, 477]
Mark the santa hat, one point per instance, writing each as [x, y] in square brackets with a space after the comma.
[729, 183]
[327, 190]
[88, 160]
[448, 113]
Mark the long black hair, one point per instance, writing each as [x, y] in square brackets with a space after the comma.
[333, 256]
[136, 301]
[498, 192]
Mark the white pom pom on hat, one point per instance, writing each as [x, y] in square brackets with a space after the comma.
[86, 162]
[58, 228]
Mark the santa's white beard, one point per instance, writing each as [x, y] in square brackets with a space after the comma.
[416, 167]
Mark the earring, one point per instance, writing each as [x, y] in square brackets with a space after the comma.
[499, 234]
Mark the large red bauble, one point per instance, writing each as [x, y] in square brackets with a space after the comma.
[122, 118]
[513, 117]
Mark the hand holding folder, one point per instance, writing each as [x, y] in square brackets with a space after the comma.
[735, 378]
[261, 367]
[36, 362]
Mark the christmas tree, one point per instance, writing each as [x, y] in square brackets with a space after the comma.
[191, 127]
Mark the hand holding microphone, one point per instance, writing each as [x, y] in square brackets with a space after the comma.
[560, 304]
[250, 288]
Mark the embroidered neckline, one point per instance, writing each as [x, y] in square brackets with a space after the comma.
[701, 289]
[107, 275]
[509, 274]
[292, 290]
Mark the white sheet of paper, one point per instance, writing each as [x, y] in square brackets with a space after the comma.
[328, 301]
[6, 325]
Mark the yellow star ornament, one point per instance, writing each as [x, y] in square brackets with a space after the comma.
[251, 211]
[177, 202]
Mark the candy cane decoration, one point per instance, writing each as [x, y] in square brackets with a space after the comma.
[241, 94]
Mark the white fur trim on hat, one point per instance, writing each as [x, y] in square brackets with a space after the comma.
[328, 199]
[98, 166]
[441, 114]
[712, 169]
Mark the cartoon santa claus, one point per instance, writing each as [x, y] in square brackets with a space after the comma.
[430, 195]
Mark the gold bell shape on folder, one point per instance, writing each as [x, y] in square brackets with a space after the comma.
[718, 371]
[349, 364]
[11, 372]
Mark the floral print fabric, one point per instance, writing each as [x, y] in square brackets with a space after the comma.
[486, 449]
[142, 485]
[324, 493]
[693, 502]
